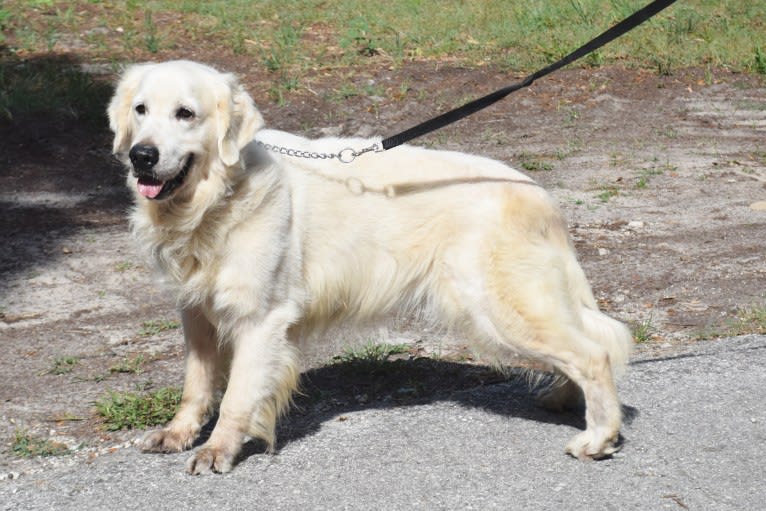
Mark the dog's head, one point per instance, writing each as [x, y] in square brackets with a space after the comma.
[173, 121]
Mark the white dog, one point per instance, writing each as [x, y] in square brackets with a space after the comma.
[264, 248]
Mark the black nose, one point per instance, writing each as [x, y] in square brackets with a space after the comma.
[144, 157]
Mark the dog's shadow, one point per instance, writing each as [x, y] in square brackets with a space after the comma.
[329, 392]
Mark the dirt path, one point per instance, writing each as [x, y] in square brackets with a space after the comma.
[661, 178]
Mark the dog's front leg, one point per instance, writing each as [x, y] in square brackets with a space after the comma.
[204, 363]
[264, 372]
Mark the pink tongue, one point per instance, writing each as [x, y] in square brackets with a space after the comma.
[149, 188]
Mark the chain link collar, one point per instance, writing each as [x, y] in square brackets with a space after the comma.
[346, 155]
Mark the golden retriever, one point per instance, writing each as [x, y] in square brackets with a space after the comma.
[264, 248]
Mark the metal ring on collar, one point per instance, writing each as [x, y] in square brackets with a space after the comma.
[347, 155]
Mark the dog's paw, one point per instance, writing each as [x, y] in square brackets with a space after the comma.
[593, 445]
[209, 459]
[169, 439]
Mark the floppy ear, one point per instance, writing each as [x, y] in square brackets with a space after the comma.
[120, 105]
[238, 120]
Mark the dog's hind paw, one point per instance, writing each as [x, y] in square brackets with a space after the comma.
[593, 445]
[168, 439]
[209, 459]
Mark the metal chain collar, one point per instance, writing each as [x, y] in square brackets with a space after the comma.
[346, 155]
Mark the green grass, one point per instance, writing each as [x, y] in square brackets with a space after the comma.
[532, 163]
[371, 353]
[5, 16]
[747, 320]
[759, 60]
[124, 266]
[298, 35]
[293, 41]
[63, 365]
[157, 326]
[645, 176]
[151, 39]
[25, 445]
[372, 358]
[133, 365]
[130, 410]
[607, 193]
[750, 320]
[642, 330]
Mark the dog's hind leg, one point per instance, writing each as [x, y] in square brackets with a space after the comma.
[204, 367]
[529, 306]
[610, 334]
[584, 363]
[587, 368]
[263, 375]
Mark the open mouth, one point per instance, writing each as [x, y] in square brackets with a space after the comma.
[153, 188]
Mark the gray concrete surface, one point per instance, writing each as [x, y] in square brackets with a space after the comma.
[694, 439]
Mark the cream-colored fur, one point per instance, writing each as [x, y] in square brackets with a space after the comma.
[263, 249]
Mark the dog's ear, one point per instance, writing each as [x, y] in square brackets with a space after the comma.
[238, 120]
[120, 106]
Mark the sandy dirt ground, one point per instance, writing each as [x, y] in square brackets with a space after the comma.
[662, 180]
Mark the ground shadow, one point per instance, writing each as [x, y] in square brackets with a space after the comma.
[56, 171]
[336, 389]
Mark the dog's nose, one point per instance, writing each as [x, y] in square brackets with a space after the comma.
[144, 157]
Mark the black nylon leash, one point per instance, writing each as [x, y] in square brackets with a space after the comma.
[474, 106]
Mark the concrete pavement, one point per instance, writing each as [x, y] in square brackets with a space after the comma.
[695, 439]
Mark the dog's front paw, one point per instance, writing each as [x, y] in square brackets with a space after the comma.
[593, 445]
[169, 439]
[210, 459]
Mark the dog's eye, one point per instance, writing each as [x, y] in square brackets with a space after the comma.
[140, 109]
[184, 114]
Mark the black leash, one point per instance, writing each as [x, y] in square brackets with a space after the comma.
[474, 106]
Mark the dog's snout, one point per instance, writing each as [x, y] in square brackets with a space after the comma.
[144, 157]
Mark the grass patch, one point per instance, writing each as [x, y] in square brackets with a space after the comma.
[304, 35]
[645, 175]
[63, 365]
[351, 90]
[151, 39]
[129, 365]
[371, 353]
[759, 61]
[533, 164]
[157, 326]
[123, 266]
[642, 330]
[130, 410]
[750, 320]
[27, 446]
[607, 193]
[369, 359]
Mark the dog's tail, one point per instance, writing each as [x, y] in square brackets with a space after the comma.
[611, 334]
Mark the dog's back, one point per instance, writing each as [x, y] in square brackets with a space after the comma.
[410, 228]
